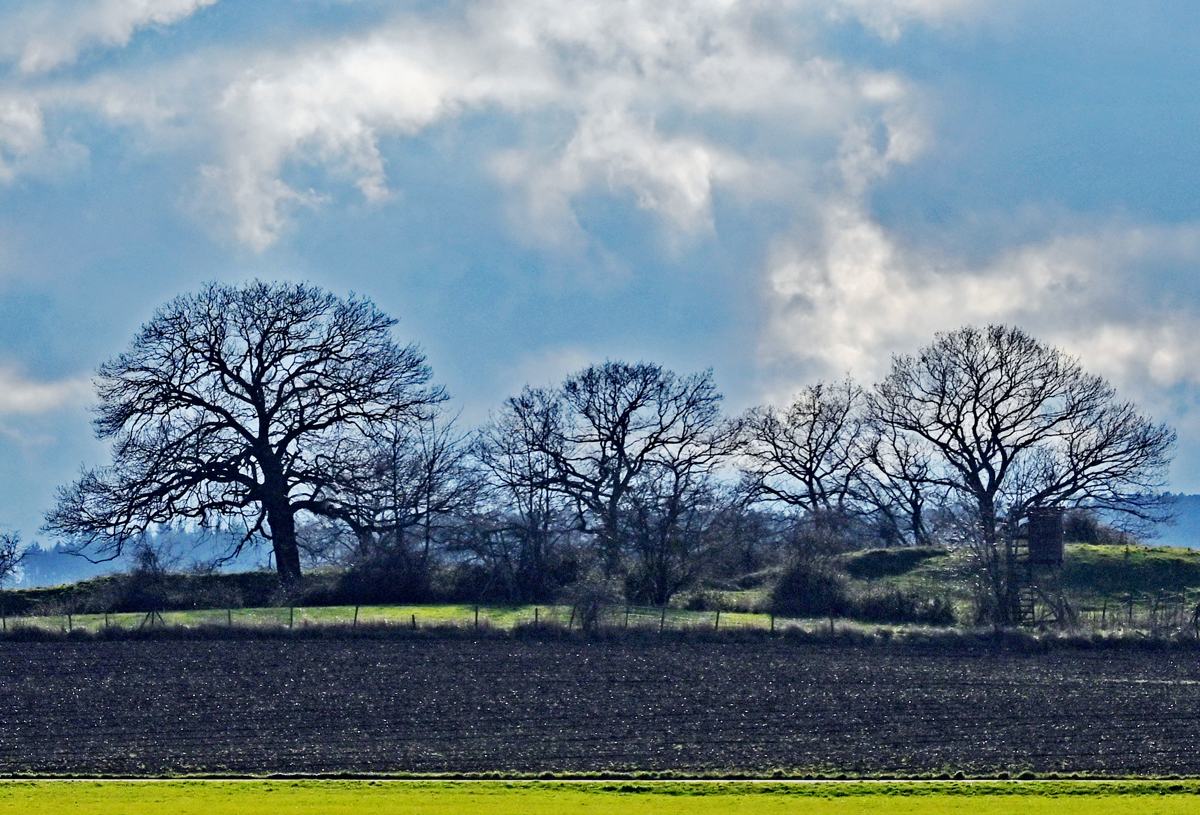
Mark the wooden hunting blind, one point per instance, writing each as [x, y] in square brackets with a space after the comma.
[1045, 536]
[1035, 569]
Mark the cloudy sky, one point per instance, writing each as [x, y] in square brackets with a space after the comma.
[782, 190]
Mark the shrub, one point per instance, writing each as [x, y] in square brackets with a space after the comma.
[810, 588]
[385, 578]
[704, 601]
[588, 598]
[898, 607]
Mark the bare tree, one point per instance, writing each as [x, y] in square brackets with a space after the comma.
[527, 531]
[407, 484]
[239, 401]
[895, 483]
[11, 554]
[811, 457]
[611, 432]
[1016, 424]
[671, 513]
[744, 537]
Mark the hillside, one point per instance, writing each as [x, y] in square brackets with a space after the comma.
[1154, 586]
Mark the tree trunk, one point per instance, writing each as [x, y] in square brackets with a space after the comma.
[918, 524]
[282, 521]
[998, 563]
[281, 517]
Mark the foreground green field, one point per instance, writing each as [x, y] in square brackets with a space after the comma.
[635, 798]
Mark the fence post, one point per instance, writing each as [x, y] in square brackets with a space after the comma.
[355, 625]
[291, 616]
[627, 615]
[69, 624]
[106, 619]
[662, 621]
[477, 616]
[717, 622]
[772, 623]
[414, 622]
[571, 621]
[535, 616]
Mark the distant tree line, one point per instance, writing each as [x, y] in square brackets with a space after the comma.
[293, 415]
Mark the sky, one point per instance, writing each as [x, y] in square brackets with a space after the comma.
[784, 191]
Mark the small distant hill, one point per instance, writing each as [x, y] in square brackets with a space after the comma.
[55, 566]
[180, 551]
[1185, 530]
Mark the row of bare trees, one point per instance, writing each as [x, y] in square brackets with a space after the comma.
[295, 413]
[617, 475]
[973, 432]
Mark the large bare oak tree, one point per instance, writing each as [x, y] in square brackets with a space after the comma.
[240, 401]
[1012, 424]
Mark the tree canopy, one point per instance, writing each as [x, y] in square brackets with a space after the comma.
[1016, 423]
[811, 454]
[293, 415]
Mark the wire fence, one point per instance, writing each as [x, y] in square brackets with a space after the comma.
[1156, 614]
[569, 617]
[1152, 612]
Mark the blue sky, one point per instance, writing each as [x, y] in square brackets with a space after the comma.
[782, 190]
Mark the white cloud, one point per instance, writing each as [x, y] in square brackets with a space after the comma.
[673, 177]
[26, 146]
[329, 109]
[644, 98]
[22, 131]
[1148, 357]
[20, 396]
[547, 368]
[36, 139]
[45, 34]
[888, 18]
[846, 302]
[640, 91]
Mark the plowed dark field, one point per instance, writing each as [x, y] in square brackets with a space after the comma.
[292, 706]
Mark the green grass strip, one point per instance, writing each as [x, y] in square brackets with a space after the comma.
[419, 616]
[627, 798]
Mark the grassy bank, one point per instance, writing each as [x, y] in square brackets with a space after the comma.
[1155, 590]
[1147, 588]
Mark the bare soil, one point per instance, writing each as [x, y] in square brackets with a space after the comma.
[464, 706]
